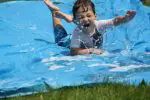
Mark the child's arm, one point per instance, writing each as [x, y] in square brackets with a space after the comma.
[80, 51]
[123, 19]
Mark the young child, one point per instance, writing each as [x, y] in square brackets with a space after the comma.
[87, 37]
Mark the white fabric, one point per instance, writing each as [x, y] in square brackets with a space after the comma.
[78, 37]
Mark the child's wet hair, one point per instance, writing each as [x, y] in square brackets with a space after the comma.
[82, 3]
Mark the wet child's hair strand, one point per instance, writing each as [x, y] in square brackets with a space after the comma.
[84, 4]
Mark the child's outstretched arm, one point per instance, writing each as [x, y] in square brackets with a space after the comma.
[123, 19]
[80, 51]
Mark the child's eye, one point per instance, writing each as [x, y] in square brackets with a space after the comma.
[81, 17]
[89, 15]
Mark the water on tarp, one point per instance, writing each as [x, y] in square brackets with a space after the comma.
[29, 58]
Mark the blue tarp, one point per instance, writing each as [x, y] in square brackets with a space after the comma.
[29, 58]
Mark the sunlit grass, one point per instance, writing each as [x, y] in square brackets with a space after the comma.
[105, 91]
[146, 2]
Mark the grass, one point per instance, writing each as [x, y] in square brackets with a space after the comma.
[105, 91]
[146, 2]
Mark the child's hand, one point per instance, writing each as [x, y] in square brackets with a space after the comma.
[123, 19]
[96, 51]
[129, 15]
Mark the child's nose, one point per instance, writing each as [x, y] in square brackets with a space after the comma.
[86, 19]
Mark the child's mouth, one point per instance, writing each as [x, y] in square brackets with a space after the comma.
[86, 25]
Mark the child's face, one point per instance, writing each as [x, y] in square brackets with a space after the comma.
[85, 19]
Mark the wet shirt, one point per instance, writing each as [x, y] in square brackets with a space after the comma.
[83, 40]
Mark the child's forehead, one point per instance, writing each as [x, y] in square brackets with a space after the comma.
[83, 9]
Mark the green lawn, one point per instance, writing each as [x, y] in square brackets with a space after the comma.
[105, 91]
[146, 2]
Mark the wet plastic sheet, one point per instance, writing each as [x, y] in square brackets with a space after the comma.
[29, 58]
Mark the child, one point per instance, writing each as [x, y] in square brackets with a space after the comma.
[87, 37]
